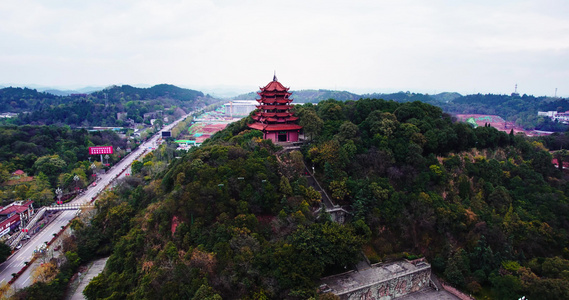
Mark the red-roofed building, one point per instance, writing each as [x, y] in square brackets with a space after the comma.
[274, 118]
[556, 163]
[11, 216]
[18, 173]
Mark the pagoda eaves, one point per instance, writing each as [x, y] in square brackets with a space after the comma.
[274, 117]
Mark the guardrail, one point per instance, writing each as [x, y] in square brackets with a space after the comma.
[70, 206]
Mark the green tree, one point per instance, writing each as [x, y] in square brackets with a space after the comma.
[311, 122]
[136, 167]
[51, 166]
[4, 174]
[347, 131]
[5, 251]
[206, 293]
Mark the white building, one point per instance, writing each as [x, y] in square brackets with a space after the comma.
[562, 117]
[240, 108]
[550, 113]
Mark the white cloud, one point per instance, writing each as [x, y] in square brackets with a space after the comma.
[466, 46]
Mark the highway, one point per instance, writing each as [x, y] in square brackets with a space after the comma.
[15, 262]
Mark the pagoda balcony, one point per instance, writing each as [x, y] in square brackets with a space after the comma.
[273, 94]
[271, 107]
[274, 114]
[272, 101]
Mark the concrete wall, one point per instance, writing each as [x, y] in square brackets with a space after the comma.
[392, 288]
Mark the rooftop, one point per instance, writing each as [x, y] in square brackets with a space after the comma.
[18, 207]
[275, 86]
[19, 172]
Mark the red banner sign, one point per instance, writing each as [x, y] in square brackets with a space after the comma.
[101, 150]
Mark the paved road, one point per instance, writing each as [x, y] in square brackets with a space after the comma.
[95, 268]
[15, 262]
[27, 251]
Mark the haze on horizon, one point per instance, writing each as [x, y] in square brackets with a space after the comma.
[360, 46]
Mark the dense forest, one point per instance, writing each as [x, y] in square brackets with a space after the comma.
[100, 108]
[53, 156]
[235, 218]
[488, 209]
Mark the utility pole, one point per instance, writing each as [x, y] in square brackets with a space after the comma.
[59, 193]
[76, 179]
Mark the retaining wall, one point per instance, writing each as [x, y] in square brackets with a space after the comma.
[384, 281]
[392, 288]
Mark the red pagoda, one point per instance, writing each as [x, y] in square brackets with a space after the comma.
[274, 118]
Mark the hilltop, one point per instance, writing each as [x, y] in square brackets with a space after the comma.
[236, 217]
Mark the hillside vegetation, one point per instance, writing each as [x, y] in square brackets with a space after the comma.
[234, 219]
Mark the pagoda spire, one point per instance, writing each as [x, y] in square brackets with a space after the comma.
[275, 76]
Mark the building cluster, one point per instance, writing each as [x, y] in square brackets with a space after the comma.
[562, 117]
[8, 115]
[14, 215]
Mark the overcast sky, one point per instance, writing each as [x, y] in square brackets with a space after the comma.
[469, 46]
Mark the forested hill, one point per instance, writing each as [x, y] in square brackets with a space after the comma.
[127, 92]
[24, 99]
[235, 218]
[99, 108]
[522, 110]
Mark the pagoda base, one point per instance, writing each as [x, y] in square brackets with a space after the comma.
[281, 136]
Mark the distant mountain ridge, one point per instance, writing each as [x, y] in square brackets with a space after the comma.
[158, 91]
[18, 99]
[100, 108]
[85, 90]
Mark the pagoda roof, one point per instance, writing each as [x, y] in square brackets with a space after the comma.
[279, 127]
[257, 126]
[274, 86]
[274, 94]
